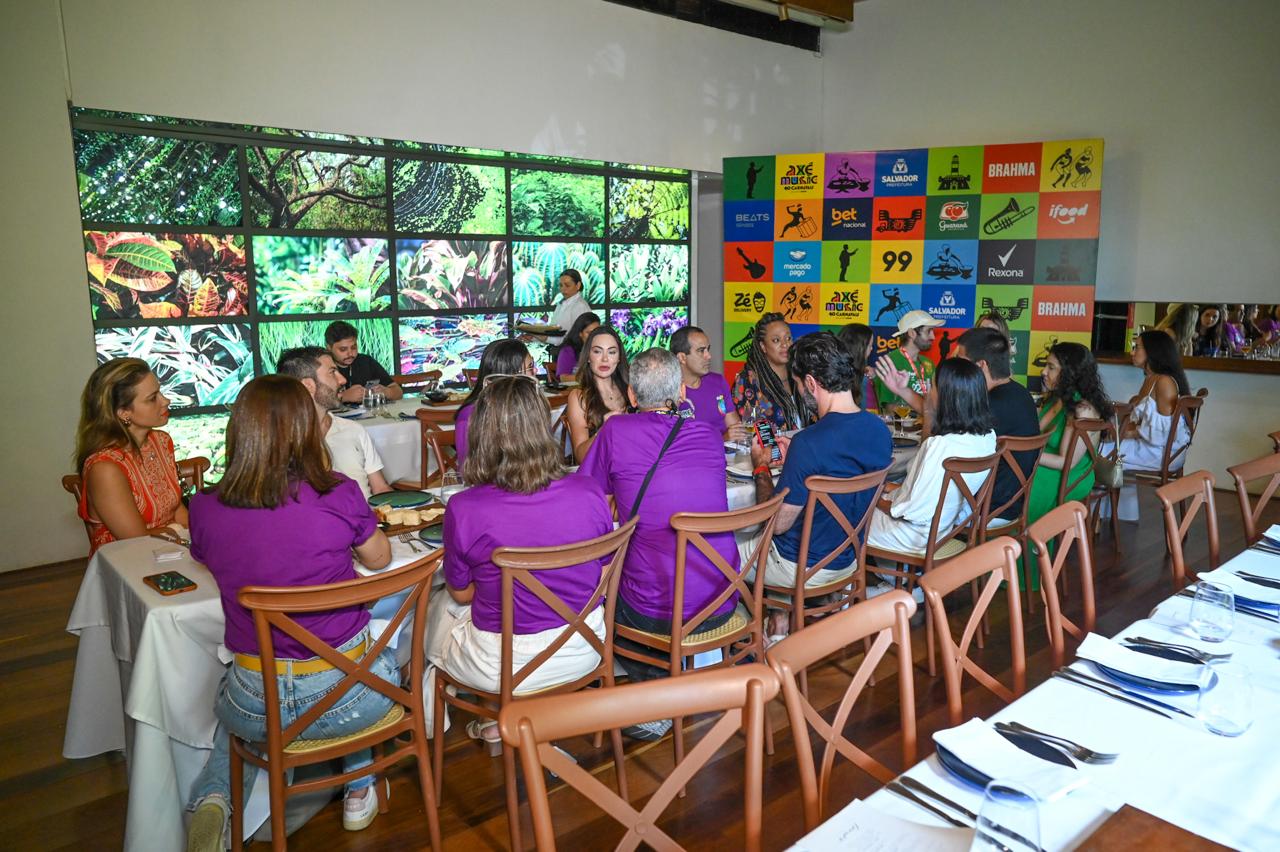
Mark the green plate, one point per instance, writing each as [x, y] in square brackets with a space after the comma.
[401, 499]
[433, 534]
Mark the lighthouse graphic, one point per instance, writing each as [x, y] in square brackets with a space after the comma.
[954, 180]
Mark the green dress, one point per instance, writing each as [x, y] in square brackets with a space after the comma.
[1044, 486]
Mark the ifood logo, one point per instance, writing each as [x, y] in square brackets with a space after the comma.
[954, 216]
[1065, 215]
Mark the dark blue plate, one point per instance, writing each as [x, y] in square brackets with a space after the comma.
[433, 534]
[1147, 683]
[979, 780]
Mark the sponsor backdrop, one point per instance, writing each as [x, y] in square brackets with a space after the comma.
[829, 239]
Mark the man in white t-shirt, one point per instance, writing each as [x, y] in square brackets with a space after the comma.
[350, 447]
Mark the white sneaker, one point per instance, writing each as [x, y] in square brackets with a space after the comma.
[208, 826]
[358, 813]
[649, 732]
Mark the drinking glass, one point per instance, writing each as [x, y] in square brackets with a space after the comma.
[1009, 819]
[369, 400]
[1226, 698]
[1213, 611]
[450, 482]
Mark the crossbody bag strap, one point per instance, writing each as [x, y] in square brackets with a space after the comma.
[648, 477]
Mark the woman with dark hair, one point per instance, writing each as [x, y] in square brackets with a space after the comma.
[1210, 336]
[860, 341]
[1147, 430]
[281, 517]
[500, 358]
[764, 388]
[962, 429]
[1233, 330]
[128, 477]
[571, 350]
[1268, 324]
[602, 388]
[516, 475]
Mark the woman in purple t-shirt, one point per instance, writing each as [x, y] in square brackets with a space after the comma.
[281, 517]
[500, 358]
[519, 496]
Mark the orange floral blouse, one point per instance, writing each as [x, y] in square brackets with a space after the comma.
[153, 479]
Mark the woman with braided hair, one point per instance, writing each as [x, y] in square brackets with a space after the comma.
[764, 388]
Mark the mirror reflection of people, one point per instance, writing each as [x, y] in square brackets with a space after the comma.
[1210, 336]
[129, 477]
[500, 358]
[1147, 428]
[356, 367]
[707, 393]
[602, 378]
[764, 388]
[571, 349]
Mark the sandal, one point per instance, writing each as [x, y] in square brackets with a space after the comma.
[487, 732]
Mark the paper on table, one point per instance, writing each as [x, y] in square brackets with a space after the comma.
[860, 826]
[1241, 587]
[1116, 656]
[978, 745]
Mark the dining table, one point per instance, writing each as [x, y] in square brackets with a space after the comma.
[1170, 766]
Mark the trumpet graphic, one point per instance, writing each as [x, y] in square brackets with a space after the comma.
[1006, 217]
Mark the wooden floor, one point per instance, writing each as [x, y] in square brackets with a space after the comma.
[53, 803]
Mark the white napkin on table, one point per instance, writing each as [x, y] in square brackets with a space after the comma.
[1116, 656]
[1241, 587]
[977, 744]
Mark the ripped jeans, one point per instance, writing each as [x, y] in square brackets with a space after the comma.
[241, 709]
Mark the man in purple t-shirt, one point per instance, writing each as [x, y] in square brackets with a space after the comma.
[706, 393]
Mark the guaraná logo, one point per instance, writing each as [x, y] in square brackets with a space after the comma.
[954, 216]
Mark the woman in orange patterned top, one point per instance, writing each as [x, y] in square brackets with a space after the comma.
[127, 469]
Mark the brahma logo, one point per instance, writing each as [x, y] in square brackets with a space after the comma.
[954, 216]
[1065, 215]
[799, 176]
[1000, 170]
[1062, 309]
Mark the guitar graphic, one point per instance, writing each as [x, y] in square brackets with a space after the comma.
[754, 267]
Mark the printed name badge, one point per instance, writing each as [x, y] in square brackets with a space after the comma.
[720, 404]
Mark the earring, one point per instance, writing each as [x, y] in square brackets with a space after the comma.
[127, 423]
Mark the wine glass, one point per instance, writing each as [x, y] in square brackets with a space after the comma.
[1212, 611]
[1009, 819]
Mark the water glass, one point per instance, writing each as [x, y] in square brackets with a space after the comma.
[369, 401]
[450, 483]
[1008, 819]
[1213, 611]
[1226, 698]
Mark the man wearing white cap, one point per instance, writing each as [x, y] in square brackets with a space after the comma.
[915, 337]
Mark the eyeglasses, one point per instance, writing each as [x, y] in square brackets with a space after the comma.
[489, 378]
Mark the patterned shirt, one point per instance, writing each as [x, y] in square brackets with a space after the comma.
[748, 393]
[153, 480]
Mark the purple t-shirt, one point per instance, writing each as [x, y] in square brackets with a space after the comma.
[460, 424]
[305, 542]
[484, 518]
[690, 478]
[710, 400]
[566, 361]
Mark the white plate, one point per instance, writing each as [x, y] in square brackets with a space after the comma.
[349, 413]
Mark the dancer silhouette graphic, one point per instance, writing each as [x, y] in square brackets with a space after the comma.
[797, 216]
[753, 172]
[845, 257]
[894, 300]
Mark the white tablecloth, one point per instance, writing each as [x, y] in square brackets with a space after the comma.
[1225, 789]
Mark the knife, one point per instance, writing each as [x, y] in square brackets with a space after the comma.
[895, 787]
[908, 781]
[1258, 579]
[1242, 609]
[1137, 695]
[1062, 673]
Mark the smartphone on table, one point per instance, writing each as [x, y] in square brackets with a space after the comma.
[170, 583]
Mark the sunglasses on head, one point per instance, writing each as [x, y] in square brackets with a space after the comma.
[493, 376]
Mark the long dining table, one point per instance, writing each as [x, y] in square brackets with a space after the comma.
[1224, 789]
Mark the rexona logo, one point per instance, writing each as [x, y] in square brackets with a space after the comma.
[1000, 170]
[844, 302]
[1006, 261]
[954, 216]
[799, 176]
[900, 175]
[1064, 215]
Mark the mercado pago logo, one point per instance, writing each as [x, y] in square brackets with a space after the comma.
[796, 261]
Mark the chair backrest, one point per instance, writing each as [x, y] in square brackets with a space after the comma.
[1198, 488]
[557, 399]
[1008, 447]
[550, 367]
[1251, 471]
[273, 608]
[406, 380]
[1090, 435]
[977, 502]
[997, 561]
[472, 375]
[885, 618]
[738, 692]
[521, 566]
[1187, 409]
[1275, 439]
[1050, 540]
[434, 437]
[692, 528]
[821, 490]
[191, 472]
[71, 484]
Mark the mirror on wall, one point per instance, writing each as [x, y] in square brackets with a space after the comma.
[1228, 336]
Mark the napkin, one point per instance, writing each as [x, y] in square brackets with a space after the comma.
[1243, 588]
[977, 744]
[1116, 656]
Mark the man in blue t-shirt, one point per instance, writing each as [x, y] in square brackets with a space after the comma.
[845, 442]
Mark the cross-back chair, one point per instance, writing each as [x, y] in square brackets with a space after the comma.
[1008, 447]
[436, 434]
[1197, 490]
[1051, 540]
[1253, 471]
[1091, 436]
[190, 476]
[413, 380]
[1173, 458]
[885, 620]
[739, 693]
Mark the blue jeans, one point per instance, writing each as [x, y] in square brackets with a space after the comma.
[241, 709]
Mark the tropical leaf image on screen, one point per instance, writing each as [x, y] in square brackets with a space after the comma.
[645, 328]
[292, 188]
[201, 435]
[664, 170]
[163, 276]
[449, 198]
[448, 344]
[444, 274]
[436, 148]
[648, 273]
[648, 209]
[196, 364]
[536, 268]
[321, 275]
[156, 180]
[372, 335]
[540, 352]
[556, 204]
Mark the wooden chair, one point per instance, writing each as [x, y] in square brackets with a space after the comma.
[836, 595]
[400, 733]
[739, 693]
[950, 544]
[550, 368]
[1174, 456]
[566, 439]
[472, 375]
[1275, 439]
[739, 638]
[409, 380]
[885, 620]
[1091, 435]
[1252, 471]
[190, 476]
[1008, 447]
[1050, 540]
[435, 438]
[997, 561]
[520, 568]
[1198, 489]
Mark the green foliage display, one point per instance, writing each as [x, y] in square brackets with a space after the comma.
[156, 180]
[448, 344]
[556, 204]
[648, 209]
[196, 364]
[275, 336]
[162, 276]
[648, 273]
[443, 274]
[539, 351]
[294, 188]
[201, 435]
[645, 328]
[536, 268]
[321, 275]
[449, 198]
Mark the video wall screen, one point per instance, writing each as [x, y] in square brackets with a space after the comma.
[210, 248]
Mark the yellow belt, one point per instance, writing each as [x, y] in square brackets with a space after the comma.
[300, 667]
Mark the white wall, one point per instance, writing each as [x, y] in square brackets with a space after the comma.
[575, 77]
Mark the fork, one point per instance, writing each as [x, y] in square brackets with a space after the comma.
[1079, 752]
[408, 539]
[1202, 656]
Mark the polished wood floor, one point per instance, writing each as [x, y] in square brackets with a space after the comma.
[52, 803]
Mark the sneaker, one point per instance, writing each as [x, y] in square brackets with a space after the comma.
[357, 814]
[648, 732]
[208, 826]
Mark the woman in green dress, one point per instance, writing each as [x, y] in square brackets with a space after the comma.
[1073, 390]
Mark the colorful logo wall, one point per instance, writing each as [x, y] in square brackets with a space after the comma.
[831, 239]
